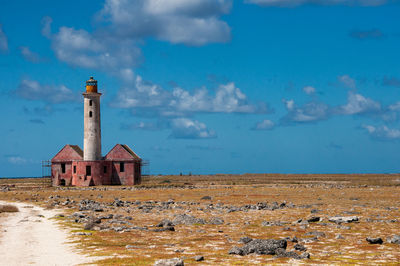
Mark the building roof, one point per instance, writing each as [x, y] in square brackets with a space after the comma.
[126, 147]
[77, 149]
[68, 153]
[122, 152]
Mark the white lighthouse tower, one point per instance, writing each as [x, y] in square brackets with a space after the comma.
[91, 119]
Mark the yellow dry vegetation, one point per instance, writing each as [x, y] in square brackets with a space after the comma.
[373, 198]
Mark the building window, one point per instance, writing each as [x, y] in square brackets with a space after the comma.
[105, 169]
[63, 168]
[88, 170]
[90, 114]
[74, 169]
[122, 167]
[90, 103]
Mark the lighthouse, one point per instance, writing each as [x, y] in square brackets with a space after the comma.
[73, 167]
[91, 121]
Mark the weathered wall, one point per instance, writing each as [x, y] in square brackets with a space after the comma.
[97, 176]
[57, 175]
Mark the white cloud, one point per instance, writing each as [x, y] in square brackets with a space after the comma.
[46, 26]
[309, 90]
[113, 46]
[33, 90]
[184, 128]
[142, 126]
[294, 3]
[347, 81]
[3, 40]
[29, 55]
[82, 49]
[358, 104]
[310, 112]
[264, 125]
[289, 104]
[227, 99]
[194, 22]
[394, 107]
[17, 160]
[382, 132]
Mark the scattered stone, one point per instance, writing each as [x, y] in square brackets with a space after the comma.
[236, 251]
[187, 219]
[277, 223]
[300, 247]
[166, 228]
[314, 219]
[216, 221]
[260, 246]
[315, 233]
[165, 223]
[343, 219]
[282, 253]
[339, 236]
[199, 258]
[245, 240]
[206, 198]
[89, 225]
[82, 234]
[169, 262]
[394, 239]
[374, 240]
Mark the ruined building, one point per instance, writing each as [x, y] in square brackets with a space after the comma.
[73, 167]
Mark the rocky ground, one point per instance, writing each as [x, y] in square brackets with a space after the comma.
[207, 222]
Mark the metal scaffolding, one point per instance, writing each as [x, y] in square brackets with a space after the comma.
[46, 168]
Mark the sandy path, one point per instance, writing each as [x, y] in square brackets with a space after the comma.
[27, 238]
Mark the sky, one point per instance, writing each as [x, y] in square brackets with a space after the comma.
[205, 86]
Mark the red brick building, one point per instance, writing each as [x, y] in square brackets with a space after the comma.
[73, 167]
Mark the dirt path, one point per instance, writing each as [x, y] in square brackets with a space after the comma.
[30, 237]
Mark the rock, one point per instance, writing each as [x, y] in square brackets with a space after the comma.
[394, 239]
[89, 225]
[199, 258]
[374, 240]
[315, 233]
[300, 247]
[314, 219]
[339, 236]
[277, 223]
[310, 240]
[236, 251]
[165, 223]
[108, 216]
[169, 262]
[282, 253]
[187, 219]
[167, 228]
[216, 221]
[245, 240]
[82, 234]
[206, 198]
[343, 227]
[343, 219]
[260, 246]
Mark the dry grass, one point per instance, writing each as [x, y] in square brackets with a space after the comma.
[8, 208]
[374, 197]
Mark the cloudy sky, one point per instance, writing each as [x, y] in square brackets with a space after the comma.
[205, 86]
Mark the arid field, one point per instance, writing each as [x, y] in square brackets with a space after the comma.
[188, 216]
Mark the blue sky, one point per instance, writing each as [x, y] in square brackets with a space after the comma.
[202, 86]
